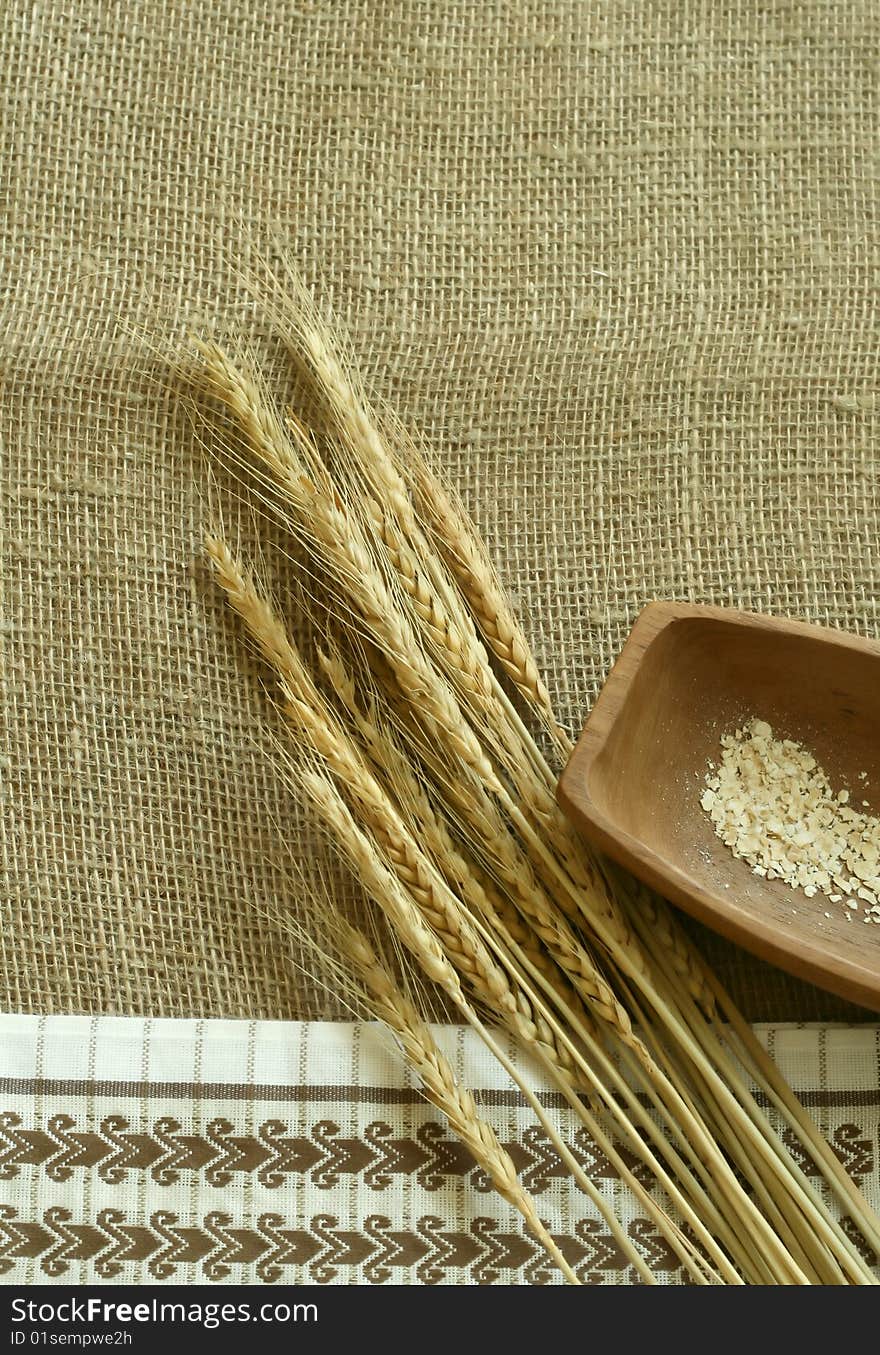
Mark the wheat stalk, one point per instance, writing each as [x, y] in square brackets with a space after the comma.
[337, 532]
[485, 903]
[476, 577]
[478, 895]
[364, 450]
[425, 902]
[308, 713]
[408, 927]
[383, 996]
[301, 704]
[474, 843]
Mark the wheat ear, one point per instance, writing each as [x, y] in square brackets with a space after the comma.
[478, 895]
[306, 710]
[424, 580]
[409, 912]
[243, 398]
[586, 978]
[407, 925]
[323, 516]
[694, 1064]
[438, 1081]
[316, 511]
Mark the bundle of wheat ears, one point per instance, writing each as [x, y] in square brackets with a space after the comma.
[407, 733]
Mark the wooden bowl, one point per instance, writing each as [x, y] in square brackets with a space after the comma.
[686, 676]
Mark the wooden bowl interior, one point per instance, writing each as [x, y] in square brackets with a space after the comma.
[699, 678]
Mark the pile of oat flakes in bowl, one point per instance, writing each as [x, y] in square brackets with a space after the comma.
[774, 807]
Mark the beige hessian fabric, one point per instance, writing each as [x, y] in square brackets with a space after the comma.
[617, 261]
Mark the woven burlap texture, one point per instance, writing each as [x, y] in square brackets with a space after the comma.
[616, 261]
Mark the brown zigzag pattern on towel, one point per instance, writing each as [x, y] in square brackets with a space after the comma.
[115, 1246]
[322, 1155]
[273, 1152]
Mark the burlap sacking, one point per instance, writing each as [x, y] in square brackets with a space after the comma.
[617, 262]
